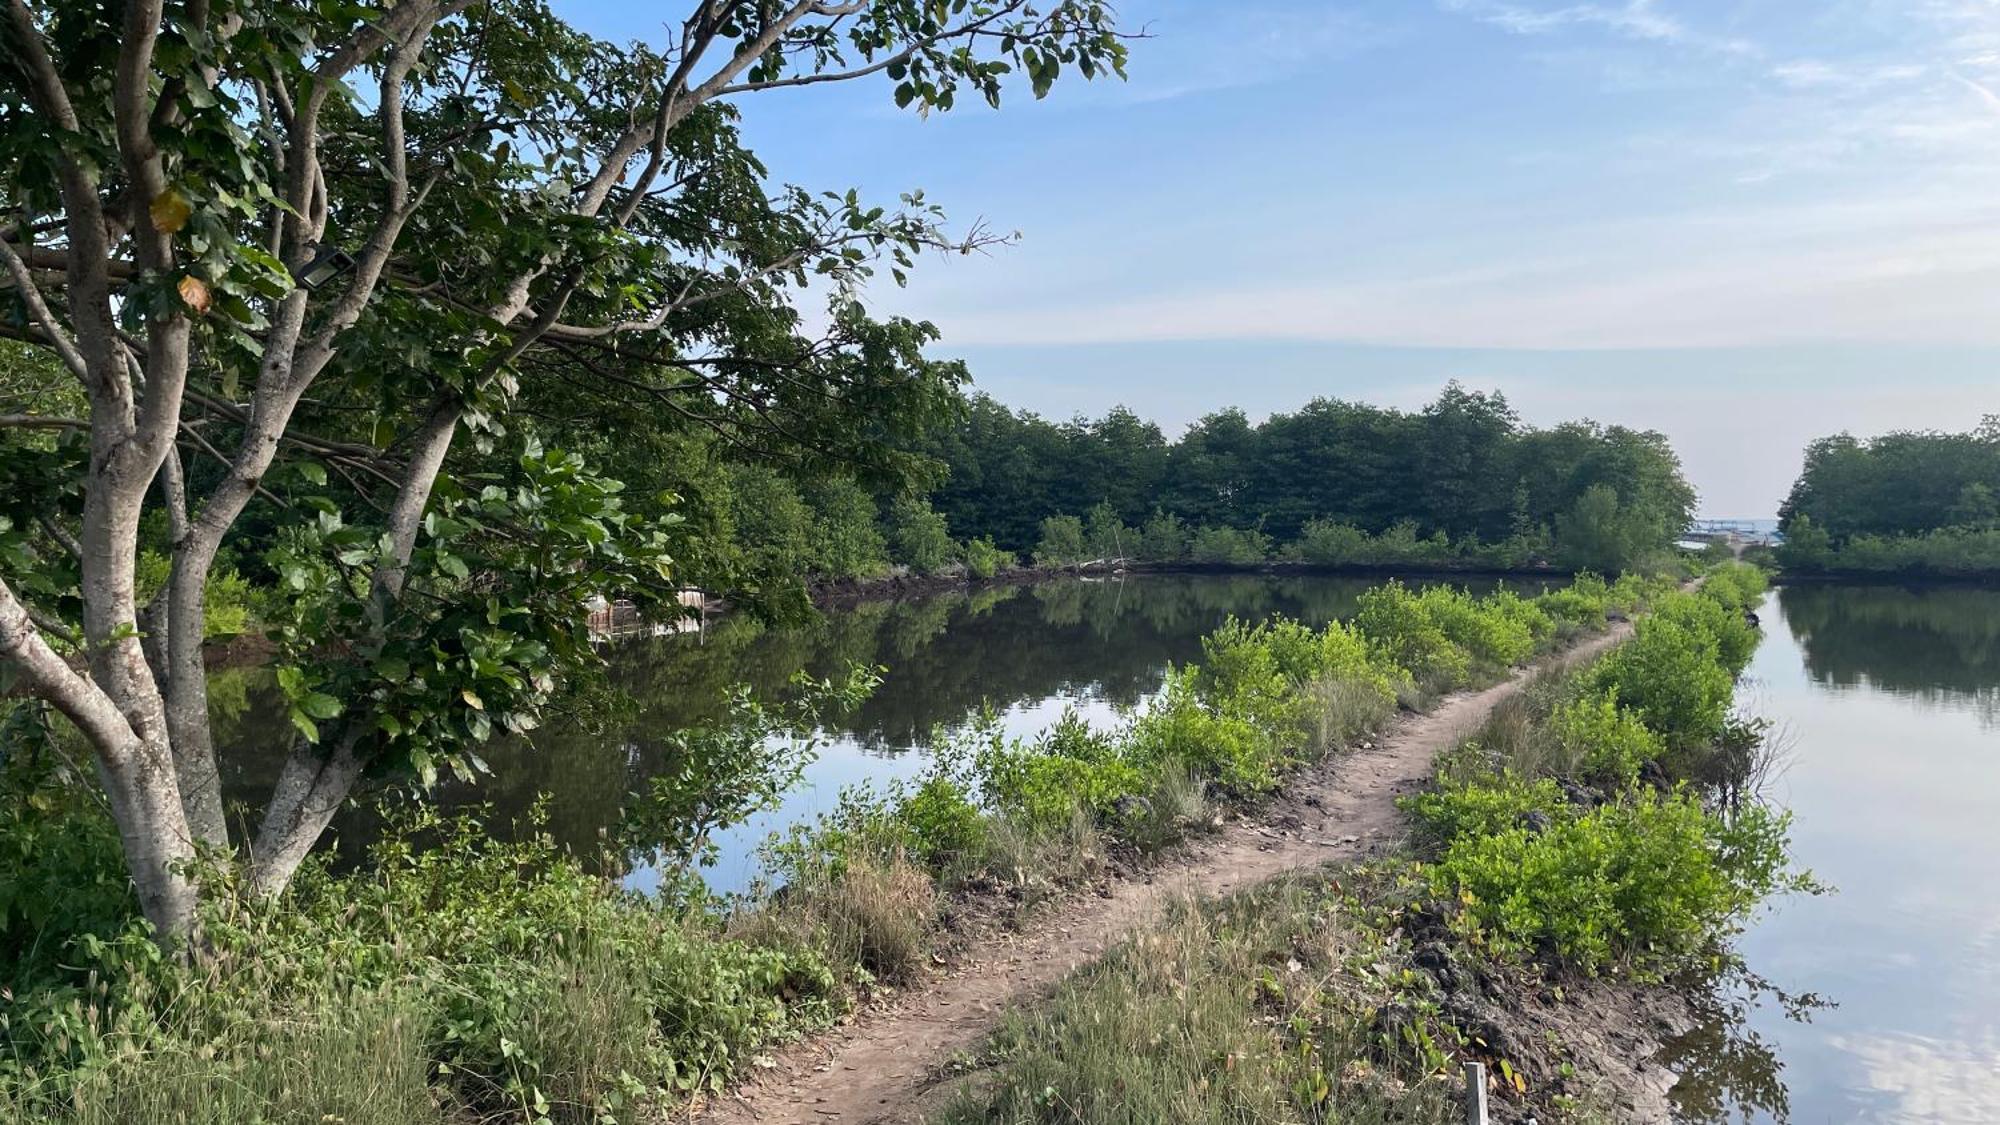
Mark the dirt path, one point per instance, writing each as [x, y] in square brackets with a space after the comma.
[875, 1070]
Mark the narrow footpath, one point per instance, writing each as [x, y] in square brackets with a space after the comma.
[877, 1070]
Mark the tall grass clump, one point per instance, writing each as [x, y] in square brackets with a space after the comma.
[1259, 1008]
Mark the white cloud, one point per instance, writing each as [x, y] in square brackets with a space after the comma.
[1931, 1080]
[1910, 270]
[1641, 20]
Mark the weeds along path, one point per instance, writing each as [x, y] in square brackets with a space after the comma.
[876, 1070]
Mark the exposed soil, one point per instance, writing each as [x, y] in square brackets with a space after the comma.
[851, 591]
[878, 1068]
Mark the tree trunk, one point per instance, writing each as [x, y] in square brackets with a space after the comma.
[159, 849]
[310, 789]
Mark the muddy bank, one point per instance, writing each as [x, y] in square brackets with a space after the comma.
[850, 591]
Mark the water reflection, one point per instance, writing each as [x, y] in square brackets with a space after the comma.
[1940, 646]
[1028, 652]
[1888, 696]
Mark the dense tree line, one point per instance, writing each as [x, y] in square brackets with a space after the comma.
[1464, 468]
[1920, 502]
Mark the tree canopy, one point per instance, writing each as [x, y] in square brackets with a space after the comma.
[389, 296]
[1464, 466]
[1902, 483]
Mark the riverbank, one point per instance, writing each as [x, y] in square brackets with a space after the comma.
[851, 591]
[895, 1063]
[531, 982]
[1571, 1031]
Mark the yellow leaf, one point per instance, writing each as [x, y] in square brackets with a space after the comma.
[170, 211]
[195, 292]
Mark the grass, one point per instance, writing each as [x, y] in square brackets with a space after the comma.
[876, 910]
[360, 1061]
[1248, 1010]
[476, 979]
[1342, 996]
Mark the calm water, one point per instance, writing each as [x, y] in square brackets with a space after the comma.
[1890, 701]
[1028, 652]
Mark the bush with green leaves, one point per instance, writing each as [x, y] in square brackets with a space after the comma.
[1497, 631]
[1165, 538]
[1182, 730]
[1070, 766]
[1646, 885]
[1403, 633]
[1672, 675]
[1062, 542]
[983, 559]
[1229, 546]
[919, 537]
[1601, 741]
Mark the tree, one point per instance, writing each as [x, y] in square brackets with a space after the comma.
[919, 536]
[1598, 533]
[299, 258]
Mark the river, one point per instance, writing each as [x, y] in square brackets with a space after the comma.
[1888, 703]
[1027, 652]
[1886, 700]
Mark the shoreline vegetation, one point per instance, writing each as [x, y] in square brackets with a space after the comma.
[1918, 505]
[453, 974]
[1592, 842]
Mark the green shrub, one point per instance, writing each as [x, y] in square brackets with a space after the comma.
[1070, 766]
[919, 536]
[846, 543]
[984, 560]
[1670, 673]
[1495, 636]
[1486, 807]
[1165, 538]
[1601, 741]
[1224, 745]
[1331, 543]
[1402, 632]
[944, 827]
[1648, 884]
[1584, 601]
[1230, 546]
[1062, 542]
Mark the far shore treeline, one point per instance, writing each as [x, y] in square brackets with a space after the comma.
[1915, 504]
[1460, 483]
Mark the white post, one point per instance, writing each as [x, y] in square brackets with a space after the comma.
[1475, 1094]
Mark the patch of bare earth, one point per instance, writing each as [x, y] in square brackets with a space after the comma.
[877, 1068]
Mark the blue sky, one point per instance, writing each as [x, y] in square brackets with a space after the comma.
[1744, 223]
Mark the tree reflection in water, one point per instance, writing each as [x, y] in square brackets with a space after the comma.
[946, 656]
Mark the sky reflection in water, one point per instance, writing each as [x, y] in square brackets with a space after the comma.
[1887, 699]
